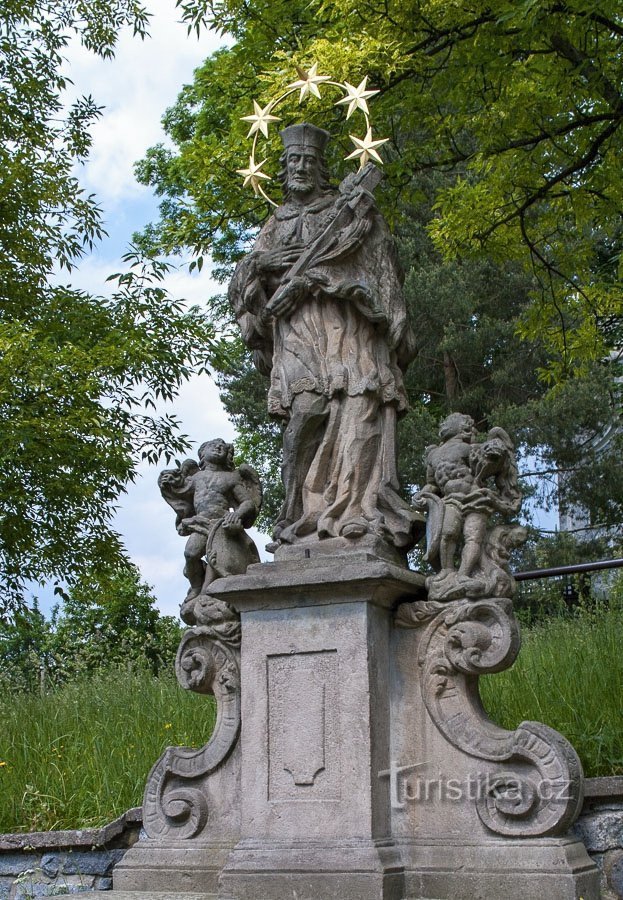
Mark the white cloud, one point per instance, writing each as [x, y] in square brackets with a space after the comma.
[136, 87]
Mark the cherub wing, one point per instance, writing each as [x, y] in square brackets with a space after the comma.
[176, 488]
[501, 435]
[253, 485]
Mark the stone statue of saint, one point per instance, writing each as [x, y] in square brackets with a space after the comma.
[319, 301]
[468, 483]
[214, 502]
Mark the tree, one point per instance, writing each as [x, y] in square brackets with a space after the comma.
[504, 152]
[108, 619]
[523, 97]
[79, 375]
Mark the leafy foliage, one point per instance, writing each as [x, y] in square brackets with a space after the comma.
[79, 375]
[107, 620]
[521, 99]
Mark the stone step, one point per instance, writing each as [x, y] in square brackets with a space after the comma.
[140, 895]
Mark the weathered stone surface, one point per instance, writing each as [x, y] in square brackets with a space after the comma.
[467, 483]
[53, 864]
[609, 788]
[122, 832]
[214, 502]
[601, 831]
[14, 863]
[315, 817]
[30, 889]
[319, 301]
[464, 869]
[615, 874]
[148, 895]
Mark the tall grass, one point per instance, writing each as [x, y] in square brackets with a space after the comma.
[569, 675]
[80, 756]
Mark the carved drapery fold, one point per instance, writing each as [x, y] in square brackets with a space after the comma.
[538, 789]
[175, 806]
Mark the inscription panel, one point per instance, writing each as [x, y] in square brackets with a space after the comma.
[303, 726]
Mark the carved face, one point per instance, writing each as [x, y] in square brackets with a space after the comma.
[214, 451]
[457, 425]
[302, 170]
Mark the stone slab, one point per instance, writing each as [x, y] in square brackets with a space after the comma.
[507, 869]
[140, 895]
[117, 833]
[288, 584]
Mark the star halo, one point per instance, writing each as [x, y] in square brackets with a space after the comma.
[308, 85]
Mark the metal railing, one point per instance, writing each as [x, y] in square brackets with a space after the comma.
[576, 569]
[575, 579]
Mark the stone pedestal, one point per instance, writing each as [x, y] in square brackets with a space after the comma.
[365, 766]
[315, 817]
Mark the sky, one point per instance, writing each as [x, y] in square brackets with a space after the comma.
[135, 88]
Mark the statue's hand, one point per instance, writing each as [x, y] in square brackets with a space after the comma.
[283, 302]
[280, 259]
[232, 521]
[367, 302]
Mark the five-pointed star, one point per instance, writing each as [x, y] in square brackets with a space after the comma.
[356, 97]
[366, 148]
[260, 119]
[252, 175]
[308, 82]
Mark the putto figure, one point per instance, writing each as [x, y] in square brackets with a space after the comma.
[468, 483]
[214, 502]
[319, 301]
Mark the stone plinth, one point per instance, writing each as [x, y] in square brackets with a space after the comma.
[352, 757]
[315, 816]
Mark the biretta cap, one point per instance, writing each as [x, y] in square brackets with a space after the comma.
[305, 137]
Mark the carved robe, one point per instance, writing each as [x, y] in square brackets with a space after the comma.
[335, 365]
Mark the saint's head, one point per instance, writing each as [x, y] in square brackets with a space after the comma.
[304, 174]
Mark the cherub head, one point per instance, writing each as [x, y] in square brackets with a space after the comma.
[457, 425]
[218, 453]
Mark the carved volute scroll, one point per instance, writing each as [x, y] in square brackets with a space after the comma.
[537, 790]
[208, 662]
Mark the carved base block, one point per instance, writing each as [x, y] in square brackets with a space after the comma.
[350, 870]
[149, 866]
[547, 869]
[315, 818]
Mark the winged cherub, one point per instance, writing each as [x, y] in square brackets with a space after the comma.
[214, 502]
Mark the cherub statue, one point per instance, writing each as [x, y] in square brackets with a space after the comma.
[467, 484]
[214, 503]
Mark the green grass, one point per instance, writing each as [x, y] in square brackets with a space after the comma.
[569, 675]
[80, 756]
